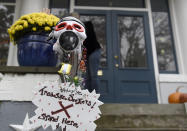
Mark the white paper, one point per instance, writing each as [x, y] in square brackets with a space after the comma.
[65, 106]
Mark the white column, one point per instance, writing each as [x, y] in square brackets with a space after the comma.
[30, 6]
[72, 6]
[24, 7]
[181, 23]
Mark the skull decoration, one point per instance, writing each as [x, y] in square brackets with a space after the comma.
[70, 34]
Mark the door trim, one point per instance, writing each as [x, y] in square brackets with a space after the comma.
[109, 30]
[147, 8]
[149, 56]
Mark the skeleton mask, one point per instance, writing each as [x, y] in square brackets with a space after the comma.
[70, 34]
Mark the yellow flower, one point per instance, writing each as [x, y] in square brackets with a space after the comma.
[34, 28]
[25, 17]
[50, 23]
[31, 21]
[43, 15]
[40, 23]
[13, 31]
[25, 24]
[55, 22]
[45, 19]
[18, 22]
[20, 27]
[47, 28]
[17, 28]
[9, 30]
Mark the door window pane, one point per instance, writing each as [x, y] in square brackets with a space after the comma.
[163, 36]
[99, 23]
[132, 42]
[6, 19]
[112, 3]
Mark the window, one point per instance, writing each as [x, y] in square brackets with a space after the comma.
[99, 23]
[60, 8]
[163, 37]
[112, 3]
[6, 18]
[132, 42]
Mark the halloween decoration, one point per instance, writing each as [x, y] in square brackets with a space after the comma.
[26, 125]
[63, 103]
[70, 34]
[65, 106]
[177, 97]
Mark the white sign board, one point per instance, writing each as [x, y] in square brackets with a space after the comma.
[65, 106]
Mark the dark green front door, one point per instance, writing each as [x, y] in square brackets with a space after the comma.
[126, 67]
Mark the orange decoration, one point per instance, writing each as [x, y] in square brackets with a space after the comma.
[177, 97]
[82, 65]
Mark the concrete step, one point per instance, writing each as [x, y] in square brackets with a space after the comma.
[142, 129]
[142, 117]
[115, 117]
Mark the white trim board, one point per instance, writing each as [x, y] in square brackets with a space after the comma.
[7, 3]
[176, 37]
[109, 8]
[16, 87]
[172, 78]
[154, 53]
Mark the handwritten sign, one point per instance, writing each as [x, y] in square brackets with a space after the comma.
[65, 106]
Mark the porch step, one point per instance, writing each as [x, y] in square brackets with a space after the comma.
[143, 129]
[142, 117]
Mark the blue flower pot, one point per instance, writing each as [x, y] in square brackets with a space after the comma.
[34, 50]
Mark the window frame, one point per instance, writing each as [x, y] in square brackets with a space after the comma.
[9, 4]
[110, 5]
[173, 43]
